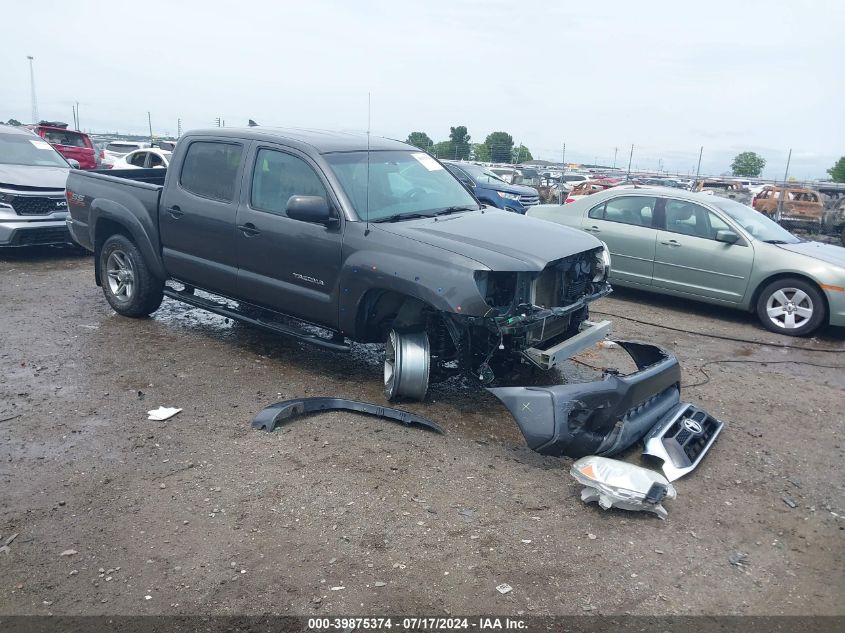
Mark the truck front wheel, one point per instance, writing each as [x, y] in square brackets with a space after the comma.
[407, 364]
[128, 285]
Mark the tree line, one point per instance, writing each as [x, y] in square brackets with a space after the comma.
[498, 147]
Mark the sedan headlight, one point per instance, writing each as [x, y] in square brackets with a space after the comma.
[509, 196]
[601, 266]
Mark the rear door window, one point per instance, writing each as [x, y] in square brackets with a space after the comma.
[635, 210]
[210, 169]
[689, 218]
[137, 159]
[155, 160]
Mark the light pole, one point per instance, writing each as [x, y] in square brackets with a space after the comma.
[32, 89]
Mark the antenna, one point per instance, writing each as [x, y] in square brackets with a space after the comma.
[367, 208]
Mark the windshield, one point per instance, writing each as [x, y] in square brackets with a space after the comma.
[400, 182]
[482, 176]
[758, 225]
[28, 149]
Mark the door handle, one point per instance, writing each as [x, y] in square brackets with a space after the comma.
[672, 243]
[593, 229]
[249, 229]
[175, 212]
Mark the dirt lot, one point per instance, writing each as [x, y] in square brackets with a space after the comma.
[342, 514]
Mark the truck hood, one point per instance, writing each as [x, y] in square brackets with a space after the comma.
[827, 253]
[497, 239]
[25, 176]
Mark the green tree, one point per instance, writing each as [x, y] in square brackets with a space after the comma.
[421, 140]
[481, 152]
[748, 164]
[521, 154]
[837, 172]
[443, 149]
[459, 139]
[13, 122]
[500, 145]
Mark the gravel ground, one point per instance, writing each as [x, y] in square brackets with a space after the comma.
[343, 514]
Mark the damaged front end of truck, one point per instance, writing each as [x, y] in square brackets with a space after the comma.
[539, 317]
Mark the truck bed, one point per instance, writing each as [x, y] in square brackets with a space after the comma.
[112, 194]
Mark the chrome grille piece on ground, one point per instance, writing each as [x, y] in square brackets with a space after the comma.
[681, 439]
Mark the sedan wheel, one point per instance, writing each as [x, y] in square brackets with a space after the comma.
[791, 306]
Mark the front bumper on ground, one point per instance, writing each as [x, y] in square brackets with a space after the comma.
[597, 418]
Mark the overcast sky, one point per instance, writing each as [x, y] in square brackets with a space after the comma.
[668, 77]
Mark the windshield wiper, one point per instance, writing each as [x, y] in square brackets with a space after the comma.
[775, 242]
[449, 210]
[403, 216]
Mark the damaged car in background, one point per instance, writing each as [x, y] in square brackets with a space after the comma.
[333, 238]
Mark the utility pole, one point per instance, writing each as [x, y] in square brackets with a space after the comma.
[783, 190]
[32, 89]
[178, 128]
[150, 121]
[563, 159]
[217, 121]
[77, 115]
[630, 158]
[698, 169]
[615, 151]
[73, 107]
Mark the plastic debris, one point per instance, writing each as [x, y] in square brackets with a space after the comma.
[162, 413]
[504, 588]
[613, 483]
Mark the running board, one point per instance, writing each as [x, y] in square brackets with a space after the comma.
[276, 328]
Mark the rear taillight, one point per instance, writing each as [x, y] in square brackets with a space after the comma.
[568, 200]
[102, 154]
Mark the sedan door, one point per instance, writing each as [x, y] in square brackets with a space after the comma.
[288, 265]
[689, 260]
[626, 225]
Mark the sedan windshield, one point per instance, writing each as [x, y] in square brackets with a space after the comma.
[758, 225]
[28, 149]
[398, 183]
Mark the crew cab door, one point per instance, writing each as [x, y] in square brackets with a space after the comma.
[688, 258]
[284, 264]
[626, 225]
[197, 214]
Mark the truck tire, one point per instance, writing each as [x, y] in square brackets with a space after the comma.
[791, 306]
[128, 285]
[407, 365]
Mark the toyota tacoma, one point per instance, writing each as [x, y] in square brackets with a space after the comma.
[332, 238]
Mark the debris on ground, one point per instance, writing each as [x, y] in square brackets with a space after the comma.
[162, 413]
[69, 552]
[789, 502]
[5, 547]
[613, 483]
[738, 559]
[504, 588]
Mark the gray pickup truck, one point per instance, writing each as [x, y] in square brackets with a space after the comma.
[369, 240]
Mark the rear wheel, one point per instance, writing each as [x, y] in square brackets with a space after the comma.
[407, 365]
[128, 285]
[791, 306]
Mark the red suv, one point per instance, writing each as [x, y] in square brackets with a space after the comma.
[69, 143]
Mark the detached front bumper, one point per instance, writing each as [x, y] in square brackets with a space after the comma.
[597, 418]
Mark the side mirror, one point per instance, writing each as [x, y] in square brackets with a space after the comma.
[309, 209]
[73, 163]
[728, 237]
